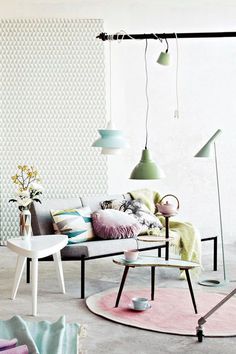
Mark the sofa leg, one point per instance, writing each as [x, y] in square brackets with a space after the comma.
[82, 277]
[28, 270]
[215, 249]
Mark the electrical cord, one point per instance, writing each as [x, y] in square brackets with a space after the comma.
[176, 112]
[146, 91]
[110, 110]
[122, 33]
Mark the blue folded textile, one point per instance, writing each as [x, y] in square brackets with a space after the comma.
[42, 337]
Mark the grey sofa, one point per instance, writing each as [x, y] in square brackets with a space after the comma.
[98, 248]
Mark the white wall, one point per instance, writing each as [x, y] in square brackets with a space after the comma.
[207, 88]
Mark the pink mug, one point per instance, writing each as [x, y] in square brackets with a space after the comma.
[131, 255]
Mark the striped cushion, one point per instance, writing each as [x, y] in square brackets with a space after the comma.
[75, 223]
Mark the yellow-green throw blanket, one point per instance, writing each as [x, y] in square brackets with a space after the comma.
[188, 241]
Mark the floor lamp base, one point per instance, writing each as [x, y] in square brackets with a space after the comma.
[213, 282]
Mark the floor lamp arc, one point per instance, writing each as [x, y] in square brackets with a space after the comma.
[207, 151]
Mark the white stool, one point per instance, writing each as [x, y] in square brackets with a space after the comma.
[37, 247]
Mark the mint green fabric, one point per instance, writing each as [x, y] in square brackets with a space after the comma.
[42, 337]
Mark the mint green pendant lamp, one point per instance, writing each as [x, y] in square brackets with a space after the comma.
[146, 168]
[111, 140]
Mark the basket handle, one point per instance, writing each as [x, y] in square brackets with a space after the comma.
[170, 195]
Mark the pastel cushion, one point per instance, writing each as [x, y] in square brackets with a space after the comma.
[137, 209]
[114, 224]
[75, 223]
[112, 204]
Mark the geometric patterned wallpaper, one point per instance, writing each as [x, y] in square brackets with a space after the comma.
[52, 104]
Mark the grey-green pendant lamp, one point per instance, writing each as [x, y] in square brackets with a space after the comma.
[146, 168]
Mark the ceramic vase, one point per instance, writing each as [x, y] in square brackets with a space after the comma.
[25, 224]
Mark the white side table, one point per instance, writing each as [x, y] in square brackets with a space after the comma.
[37, 247]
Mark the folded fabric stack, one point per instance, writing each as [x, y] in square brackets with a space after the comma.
[38, 337]
[9, 346]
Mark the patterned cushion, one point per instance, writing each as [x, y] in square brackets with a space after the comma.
[112, 204]
[75, 223]
[136, 208]
[115, 224]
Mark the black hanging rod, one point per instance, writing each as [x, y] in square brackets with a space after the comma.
[104, 36]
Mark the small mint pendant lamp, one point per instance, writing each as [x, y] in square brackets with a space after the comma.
[111, 140]
[164, 57]
[146, 168]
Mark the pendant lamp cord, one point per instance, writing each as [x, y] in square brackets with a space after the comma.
[176, 112]
[110, 81]
[146, 91]
[120, 35]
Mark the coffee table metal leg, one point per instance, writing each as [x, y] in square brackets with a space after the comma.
[18, 274]
[34, 285]
[191, 290]
[152, 282]
[121, 286]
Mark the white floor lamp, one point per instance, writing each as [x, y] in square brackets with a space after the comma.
[207, 151]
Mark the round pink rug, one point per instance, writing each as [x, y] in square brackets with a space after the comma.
[171, 311]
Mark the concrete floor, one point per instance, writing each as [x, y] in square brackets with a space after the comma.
[104, 336]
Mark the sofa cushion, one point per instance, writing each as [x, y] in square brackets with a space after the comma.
[104, 247]
[112, 224]
[95, 201]
[136, 208]
[41, 216]
[75, 223]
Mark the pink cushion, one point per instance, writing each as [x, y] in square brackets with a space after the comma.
[114, 224]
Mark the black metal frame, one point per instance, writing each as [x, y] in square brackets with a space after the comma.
[124, 277]
[215, 250]
[118, 36]
[84, 259]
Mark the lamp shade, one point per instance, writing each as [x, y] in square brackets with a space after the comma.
[164, 58]
[106, 151]
[146, 168]
[206, 150]
[111, 140]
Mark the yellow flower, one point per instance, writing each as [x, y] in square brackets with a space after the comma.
[30, 174]
[15, 179]
[19, 167]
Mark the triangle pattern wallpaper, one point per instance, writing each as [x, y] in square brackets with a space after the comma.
[52, 104]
